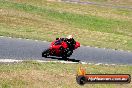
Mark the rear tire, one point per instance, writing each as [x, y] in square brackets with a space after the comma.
[69, 53]
[45, 53]
[64, 57]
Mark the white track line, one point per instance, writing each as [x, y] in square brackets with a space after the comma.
[84, 63]
[44, 41]
[9, 37]
[98, 64]
[10, 60]
[19, 38]
[66, 62]
[1, 36]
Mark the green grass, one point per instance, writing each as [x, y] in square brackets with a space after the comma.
[86, 22]
[80, 9]
[39, 75]
[50, 20]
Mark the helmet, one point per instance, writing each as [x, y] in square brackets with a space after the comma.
[69, 37]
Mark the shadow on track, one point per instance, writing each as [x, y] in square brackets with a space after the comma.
[68, 59]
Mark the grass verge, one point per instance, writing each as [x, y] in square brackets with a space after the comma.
[47, 21]
[31, 74]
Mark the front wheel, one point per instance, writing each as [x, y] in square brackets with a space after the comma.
[45, 53]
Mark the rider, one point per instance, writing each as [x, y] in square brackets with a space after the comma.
[71, 42]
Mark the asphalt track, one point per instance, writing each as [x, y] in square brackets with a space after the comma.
[95, 3]
[22, 49]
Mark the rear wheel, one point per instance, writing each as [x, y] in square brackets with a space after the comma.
[45, 53]
[69, 53]
[64, 55]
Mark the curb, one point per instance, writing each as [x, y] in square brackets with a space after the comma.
[23, 39]
[64, 62]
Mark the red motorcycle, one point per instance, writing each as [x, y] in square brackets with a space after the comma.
[60, 48]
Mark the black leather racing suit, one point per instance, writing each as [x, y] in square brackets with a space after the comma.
[71, 44]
